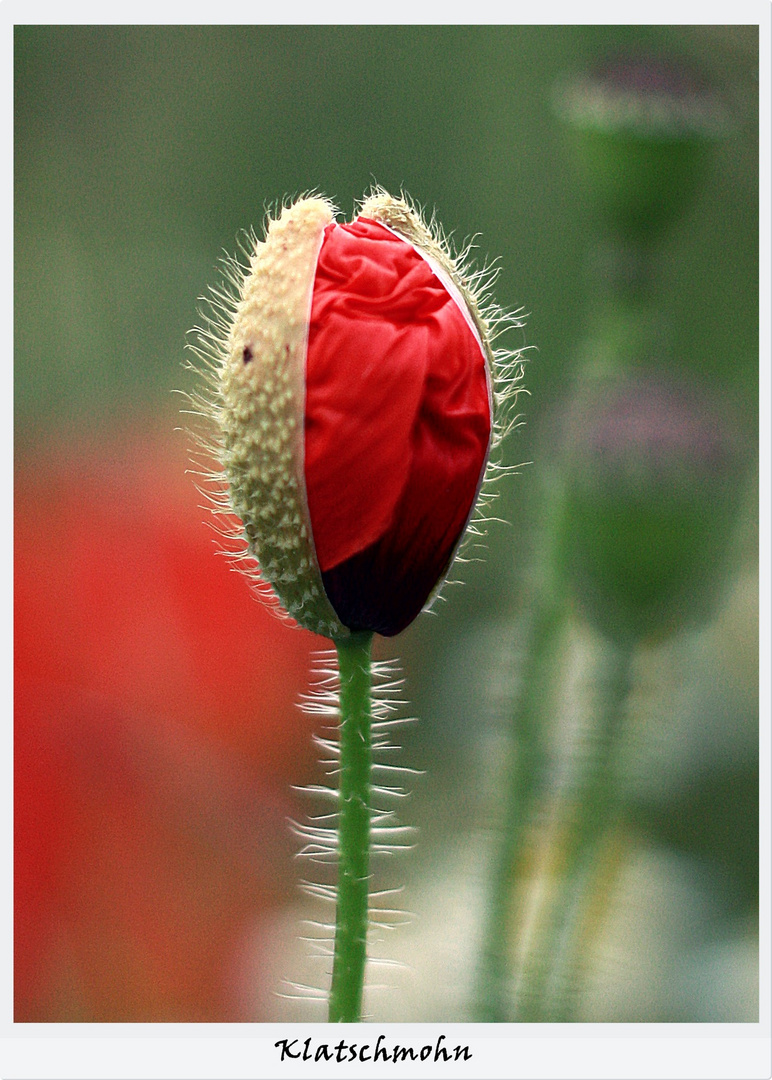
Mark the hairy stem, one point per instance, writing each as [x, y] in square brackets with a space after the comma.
[351, 914]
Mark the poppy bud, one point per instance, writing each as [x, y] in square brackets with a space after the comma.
[642, 127]
[353, 379]
[652, 483]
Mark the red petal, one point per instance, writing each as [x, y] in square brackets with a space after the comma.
[372, 313]
[397, 425]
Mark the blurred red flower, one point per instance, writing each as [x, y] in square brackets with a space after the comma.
[156, 736]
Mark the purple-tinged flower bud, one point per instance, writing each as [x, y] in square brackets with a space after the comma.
[641, 128]
[654, 471]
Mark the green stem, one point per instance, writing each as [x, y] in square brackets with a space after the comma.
[524, 782]
[527, 767]
[551, 984]
[351, 916]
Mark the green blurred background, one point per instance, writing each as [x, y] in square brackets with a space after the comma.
[140, 154]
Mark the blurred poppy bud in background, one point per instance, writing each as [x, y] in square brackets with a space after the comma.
[353, 380]
[653, 477]
[641, 127]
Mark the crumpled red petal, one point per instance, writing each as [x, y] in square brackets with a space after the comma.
[397, 425]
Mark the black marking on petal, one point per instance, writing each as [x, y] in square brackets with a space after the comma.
[247, 354]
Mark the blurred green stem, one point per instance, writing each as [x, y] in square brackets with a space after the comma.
[351, 915]
[527, 765]
[524, 780]
[550, 984]
[623, 324]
